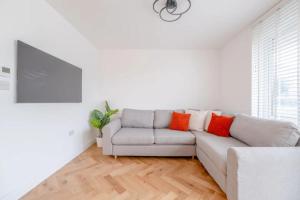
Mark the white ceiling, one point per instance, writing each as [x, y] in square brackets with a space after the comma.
[132, 24]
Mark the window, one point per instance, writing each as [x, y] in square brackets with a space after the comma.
[276, 65]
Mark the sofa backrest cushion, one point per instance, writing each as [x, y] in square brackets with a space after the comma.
[264, 133]
[137, 118]
[162, 118]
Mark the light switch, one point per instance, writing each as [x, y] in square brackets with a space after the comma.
[4, 78]
[5, 71]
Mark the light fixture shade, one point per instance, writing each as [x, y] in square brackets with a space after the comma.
[171, 4]
[169, 11]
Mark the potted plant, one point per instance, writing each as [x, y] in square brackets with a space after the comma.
[99, 119]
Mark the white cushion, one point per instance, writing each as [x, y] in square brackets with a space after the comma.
[208, 118]
[197, 119]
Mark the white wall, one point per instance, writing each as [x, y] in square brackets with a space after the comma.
[34, 140]
[235, 74]
[161, 79]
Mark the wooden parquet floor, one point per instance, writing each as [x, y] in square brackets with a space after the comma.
[94, 176]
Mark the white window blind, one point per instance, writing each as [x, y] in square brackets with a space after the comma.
[276, 65]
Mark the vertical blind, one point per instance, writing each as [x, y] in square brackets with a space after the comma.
[276, 65]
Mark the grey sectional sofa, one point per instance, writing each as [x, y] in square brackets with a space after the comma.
[259, 162]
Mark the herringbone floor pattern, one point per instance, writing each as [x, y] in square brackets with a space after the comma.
[94, 176]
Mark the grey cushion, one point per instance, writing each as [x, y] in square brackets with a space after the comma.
[162, 118]
[137, 118]
[216, 147]
[264, 133]
[133, 136]
[167, 136]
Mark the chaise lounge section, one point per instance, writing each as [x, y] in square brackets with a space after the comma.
[260, 160]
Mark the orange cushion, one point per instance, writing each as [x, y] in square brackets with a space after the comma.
[220, 125]
[180, 122]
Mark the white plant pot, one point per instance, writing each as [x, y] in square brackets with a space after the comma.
[99, 142]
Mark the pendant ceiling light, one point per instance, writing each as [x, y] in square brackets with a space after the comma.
[169, 10]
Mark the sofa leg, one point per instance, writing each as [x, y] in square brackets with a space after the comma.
[116, 157]
[193, 157]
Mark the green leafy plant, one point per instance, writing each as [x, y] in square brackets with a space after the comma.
[99, 119]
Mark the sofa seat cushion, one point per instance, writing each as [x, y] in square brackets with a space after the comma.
[216, 147]
[133, 136]
[173, 137]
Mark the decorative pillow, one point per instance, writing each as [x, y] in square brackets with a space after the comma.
[180, 122]
[208, 118]
[197, 119]
[220, 125]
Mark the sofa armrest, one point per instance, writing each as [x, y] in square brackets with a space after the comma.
[263, 173]
[108, 131]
